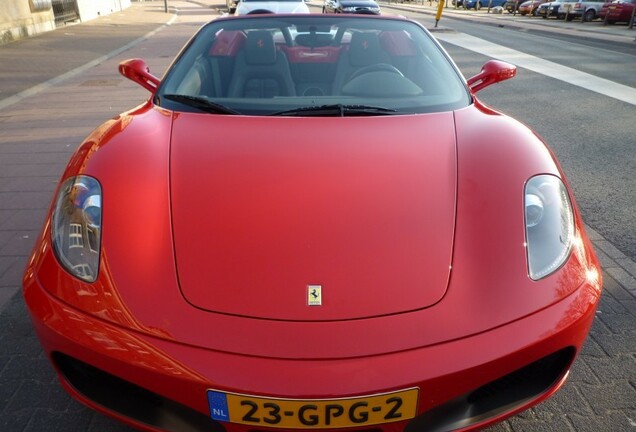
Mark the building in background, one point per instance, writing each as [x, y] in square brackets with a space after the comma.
[90, 9]
[23, 18]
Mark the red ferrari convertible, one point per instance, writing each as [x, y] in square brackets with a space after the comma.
[312, 223]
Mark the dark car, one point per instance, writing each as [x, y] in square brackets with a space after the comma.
[512, 5]
[617, 11]
[550, 9]
[369, 7]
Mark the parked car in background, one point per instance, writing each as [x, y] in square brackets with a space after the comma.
[588, 10]
[511, 5]
[617, 11]
[478, 4]
[550, 9]
[556, 9]
[369, 7]
[530, 7]
[246, 7]
[458, 3]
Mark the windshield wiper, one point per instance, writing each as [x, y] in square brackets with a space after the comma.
[201, 103]
[339, 110]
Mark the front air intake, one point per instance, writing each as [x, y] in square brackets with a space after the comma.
[497, 397]
[131, 401]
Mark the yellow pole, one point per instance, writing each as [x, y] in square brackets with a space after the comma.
[440, 7]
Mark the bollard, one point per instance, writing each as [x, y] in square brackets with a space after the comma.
[440, 7]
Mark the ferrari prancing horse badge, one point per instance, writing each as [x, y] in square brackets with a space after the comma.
[314, 295]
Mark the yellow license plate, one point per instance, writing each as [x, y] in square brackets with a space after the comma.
[313, 414]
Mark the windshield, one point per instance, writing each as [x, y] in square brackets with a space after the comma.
[289, 65]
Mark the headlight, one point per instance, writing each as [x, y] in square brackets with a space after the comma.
[77, 226]
[549, 224]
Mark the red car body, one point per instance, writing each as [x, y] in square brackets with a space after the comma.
[428, 321]
[617, 11]
[530, 7]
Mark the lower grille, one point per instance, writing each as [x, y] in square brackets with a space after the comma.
[493, 399]
[497, 397]
[130, 400]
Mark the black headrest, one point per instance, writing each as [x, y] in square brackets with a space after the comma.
[365, 49]
[260, 48]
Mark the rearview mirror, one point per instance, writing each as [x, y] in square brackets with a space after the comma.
[137, 70]
[492, 72]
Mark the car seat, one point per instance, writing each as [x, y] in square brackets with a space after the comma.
[261, 70]
[364, 50]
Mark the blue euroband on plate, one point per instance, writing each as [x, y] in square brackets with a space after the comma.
[218, 406]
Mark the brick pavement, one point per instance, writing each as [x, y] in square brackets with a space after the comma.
[39, 132]
[25, 57]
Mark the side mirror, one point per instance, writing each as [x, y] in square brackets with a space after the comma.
[492, 72]
[137, 70]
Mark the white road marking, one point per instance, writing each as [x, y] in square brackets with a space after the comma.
[571, 76]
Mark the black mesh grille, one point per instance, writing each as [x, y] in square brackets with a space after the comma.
[130, 400]
[497, 397]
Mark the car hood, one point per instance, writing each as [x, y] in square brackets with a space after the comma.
[266, 209]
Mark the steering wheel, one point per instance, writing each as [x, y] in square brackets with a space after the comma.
[377, 67]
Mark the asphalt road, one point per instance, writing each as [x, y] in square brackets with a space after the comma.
[29, 62]
[39, 131]
[593, 136]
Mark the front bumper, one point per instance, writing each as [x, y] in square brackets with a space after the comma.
[464, 384]
[570, 13]
[360, 10]
[552, 11]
